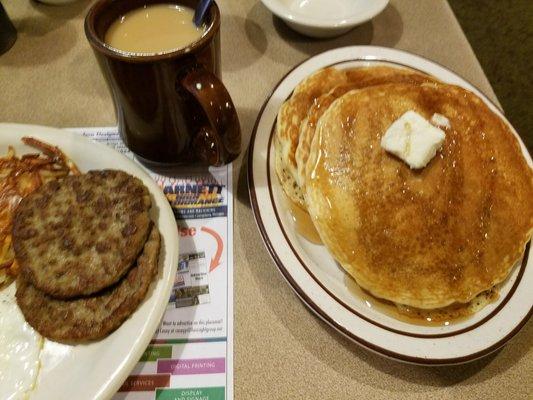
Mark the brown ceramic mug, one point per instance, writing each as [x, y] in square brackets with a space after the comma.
[172, 108]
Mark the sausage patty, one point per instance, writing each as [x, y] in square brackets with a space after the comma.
[95, 316]
[77, 236]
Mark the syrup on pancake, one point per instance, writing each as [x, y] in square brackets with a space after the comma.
[428, 238]
[480, 156]
[290, 116]
[358, 78]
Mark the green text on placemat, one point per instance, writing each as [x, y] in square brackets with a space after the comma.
[154, 353]
[213, 393]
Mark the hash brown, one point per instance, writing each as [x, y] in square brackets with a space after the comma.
[93, 317]
[79, 235]
[19, 176]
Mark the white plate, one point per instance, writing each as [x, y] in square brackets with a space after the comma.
[323, 19]
[97, 370]
[321, 284]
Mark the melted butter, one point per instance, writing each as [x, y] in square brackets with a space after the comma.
[445, 316]
[303, 223]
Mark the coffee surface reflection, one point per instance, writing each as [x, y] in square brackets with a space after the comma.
[154, 29]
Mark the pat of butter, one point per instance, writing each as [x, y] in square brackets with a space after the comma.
[413, 139]
[441, 121]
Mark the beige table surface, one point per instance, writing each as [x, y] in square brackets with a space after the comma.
[281, 350]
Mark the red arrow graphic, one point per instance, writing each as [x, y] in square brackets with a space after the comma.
[215, 261]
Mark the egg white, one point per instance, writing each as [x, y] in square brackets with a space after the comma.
[20, 346]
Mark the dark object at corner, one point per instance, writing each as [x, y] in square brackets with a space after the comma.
[8, 33]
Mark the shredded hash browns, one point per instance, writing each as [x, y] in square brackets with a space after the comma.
[19, 176]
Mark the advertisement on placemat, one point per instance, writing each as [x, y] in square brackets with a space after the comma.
[191, 286]
[191, 354]
[196, 196]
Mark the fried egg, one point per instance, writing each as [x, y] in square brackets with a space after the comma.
[20, 347]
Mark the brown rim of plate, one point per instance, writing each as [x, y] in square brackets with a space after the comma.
[321, 313]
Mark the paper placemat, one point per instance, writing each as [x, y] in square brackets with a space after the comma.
[191, 354]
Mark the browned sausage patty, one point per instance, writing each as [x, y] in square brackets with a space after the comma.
[80, 235]
[92, 317]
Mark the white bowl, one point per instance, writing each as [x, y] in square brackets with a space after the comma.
[325, 18]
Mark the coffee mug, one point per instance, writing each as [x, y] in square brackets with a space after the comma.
[172, 108]
[8, 33]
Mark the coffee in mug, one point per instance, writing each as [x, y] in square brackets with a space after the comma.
[171, 106]
[154, 29]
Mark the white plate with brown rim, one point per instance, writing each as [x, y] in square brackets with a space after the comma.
[96, 370]
[327, 290]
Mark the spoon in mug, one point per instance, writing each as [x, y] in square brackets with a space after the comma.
[201, 10]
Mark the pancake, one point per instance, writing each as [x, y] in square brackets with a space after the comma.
[76, 236]
[290, 116]
[424, 238]
[358, 78]
[92, 317]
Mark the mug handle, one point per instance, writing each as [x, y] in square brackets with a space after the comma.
[219, 142]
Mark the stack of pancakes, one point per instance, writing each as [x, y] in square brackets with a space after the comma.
[88, 252]
[424, 238]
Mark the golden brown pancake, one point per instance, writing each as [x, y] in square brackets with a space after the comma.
[426, 238]
[358, 78]
[293, 115]
[290, 116]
